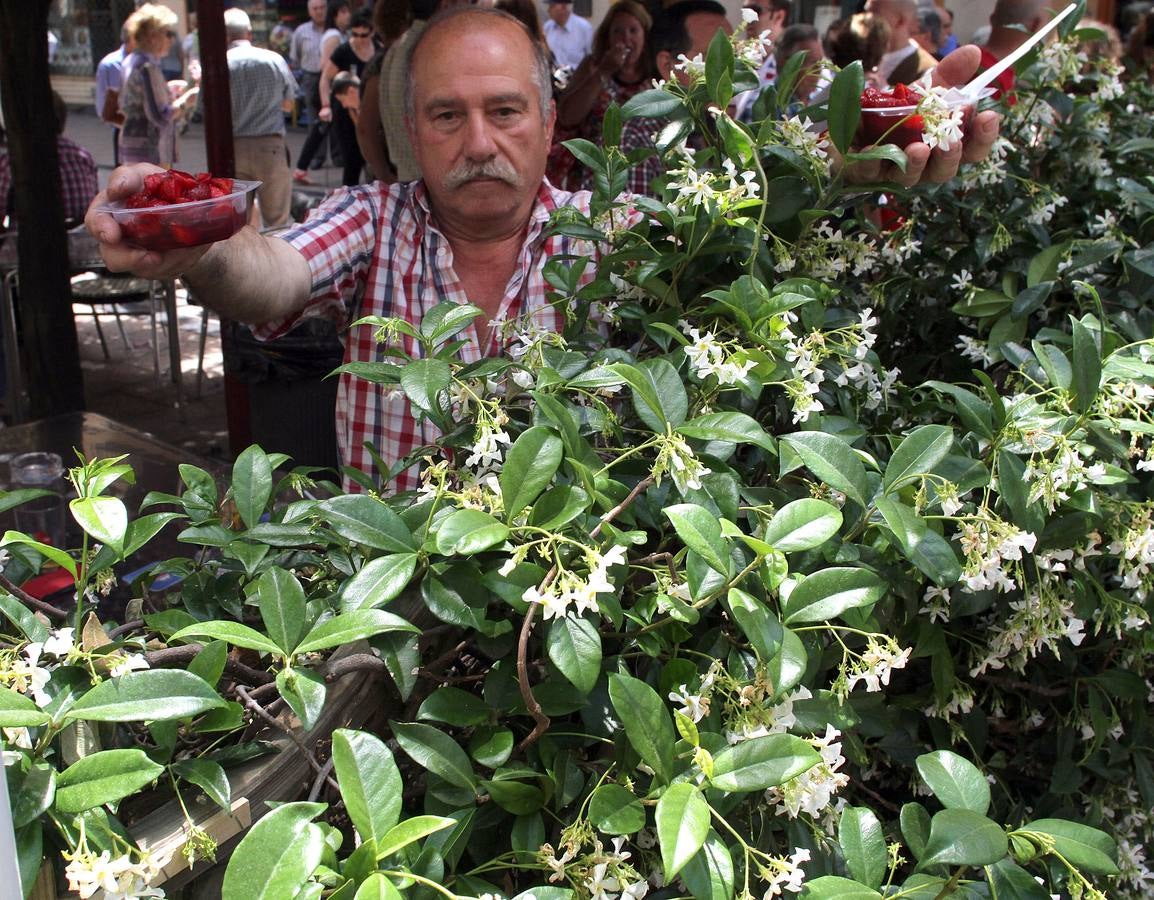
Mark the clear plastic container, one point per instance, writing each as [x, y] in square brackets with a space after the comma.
[43, 517]
[185, 224]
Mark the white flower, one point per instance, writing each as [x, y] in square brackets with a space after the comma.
[962, 280]
[638, 889]
[556, 865]
[974, 350]
[1074, 631]
[749, 16]
[601, 885]
[876, 664]
[129, 662]
[60, 643]
[695, 706]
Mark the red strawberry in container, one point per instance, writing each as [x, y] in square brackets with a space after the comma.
[910, 114]
[177, 209]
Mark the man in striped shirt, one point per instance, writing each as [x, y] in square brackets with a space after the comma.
[480, 112]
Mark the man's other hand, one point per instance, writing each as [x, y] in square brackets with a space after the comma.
[934, 166]
[120, 256]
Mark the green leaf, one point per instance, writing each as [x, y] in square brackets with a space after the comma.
[34, 794]
[653, 103]
[16, 710]
[962, 837]
[1044, 266]
[447, 319]
[1009, 881]
[29, 853]
[407, 832]
[530, 465]
[922, 546]
[955, 781]
[646, 721]
[371, 785]
[831, 887]
[1083, 847]
[352, 626]
[209, 777]
[305, 692]
[682, 825]
[378, 581]
[615, 810]
[277, 856]
[828, 593]
[732, 427]
[917, 455]
[574, 647]
[435, 751]
[758, 623]
[762, 763]
[282, 607]
[467, 531]
[972, 410]
[423, 381]
[802, 525]
[845, 106]
[377, 887]
[700, 531]
[366, 520]
[454, 706]
[788, 666]
[155, 695]
[251, 484]
[658, 393]
[515, 796]
[709, 874]
[915, 824]
[103, 777]
[833, 461]
[234, 633]
[104, 518]
[1087, 363]
[23, 618]
[864, 845]
[890, 153]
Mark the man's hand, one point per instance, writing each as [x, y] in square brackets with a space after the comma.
[934, 166]
[121, 257]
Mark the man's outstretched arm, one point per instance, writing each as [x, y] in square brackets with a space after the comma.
[249, 278]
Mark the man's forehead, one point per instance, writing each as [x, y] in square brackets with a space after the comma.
[702, 26]
[474, 48]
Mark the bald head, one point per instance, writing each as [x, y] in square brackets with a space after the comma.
[450, 26]
[900, 15]
[1027, 14]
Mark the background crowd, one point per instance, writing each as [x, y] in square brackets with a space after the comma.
[340, 74]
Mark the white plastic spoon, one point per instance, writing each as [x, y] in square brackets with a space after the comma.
[987, 77]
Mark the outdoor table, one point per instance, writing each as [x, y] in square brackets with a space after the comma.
[83, 255]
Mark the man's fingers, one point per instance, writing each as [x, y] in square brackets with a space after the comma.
[944, 165]
[917, 157]
[958, 68]
[984, 132]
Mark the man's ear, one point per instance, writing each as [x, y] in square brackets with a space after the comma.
[550, 121]
[777, 23]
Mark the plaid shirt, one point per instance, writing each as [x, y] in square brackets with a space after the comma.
[376, 250]
[77, 180]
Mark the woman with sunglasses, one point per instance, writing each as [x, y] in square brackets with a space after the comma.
[351, 56]
[150, 109]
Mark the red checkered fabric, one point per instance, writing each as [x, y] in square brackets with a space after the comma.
[375, 250]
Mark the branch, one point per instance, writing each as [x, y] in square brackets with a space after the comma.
[31, 602]
[259, 711]
[540, 719]
[335, 669]
[176, 657]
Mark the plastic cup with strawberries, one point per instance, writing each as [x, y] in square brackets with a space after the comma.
[177, 210]
[906, 115]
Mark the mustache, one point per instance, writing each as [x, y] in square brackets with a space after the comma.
[471, 171]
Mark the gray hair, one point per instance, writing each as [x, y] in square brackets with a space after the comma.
[237, 24]
[929, 21]
[542, 71]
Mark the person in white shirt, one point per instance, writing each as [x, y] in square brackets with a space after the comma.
[569, 37]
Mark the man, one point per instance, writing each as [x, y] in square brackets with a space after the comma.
[480, 117]
[109, 80]
[928, 31]
[305, 55]
[772, 19]
[570, 37]
[806, 39]
[262, 90]
[1011, 24]
[949, 41]
[905, 61]
[77, 172]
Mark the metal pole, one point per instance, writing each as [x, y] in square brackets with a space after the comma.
[9, 870]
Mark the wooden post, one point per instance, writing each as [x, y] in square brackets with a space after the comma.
[51, 350]
[218, 145]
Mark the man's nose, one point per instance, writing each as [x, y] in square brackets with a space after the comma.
[479, 142]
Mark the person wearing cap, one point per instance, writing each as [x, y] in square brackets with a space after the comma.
[570, 37]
